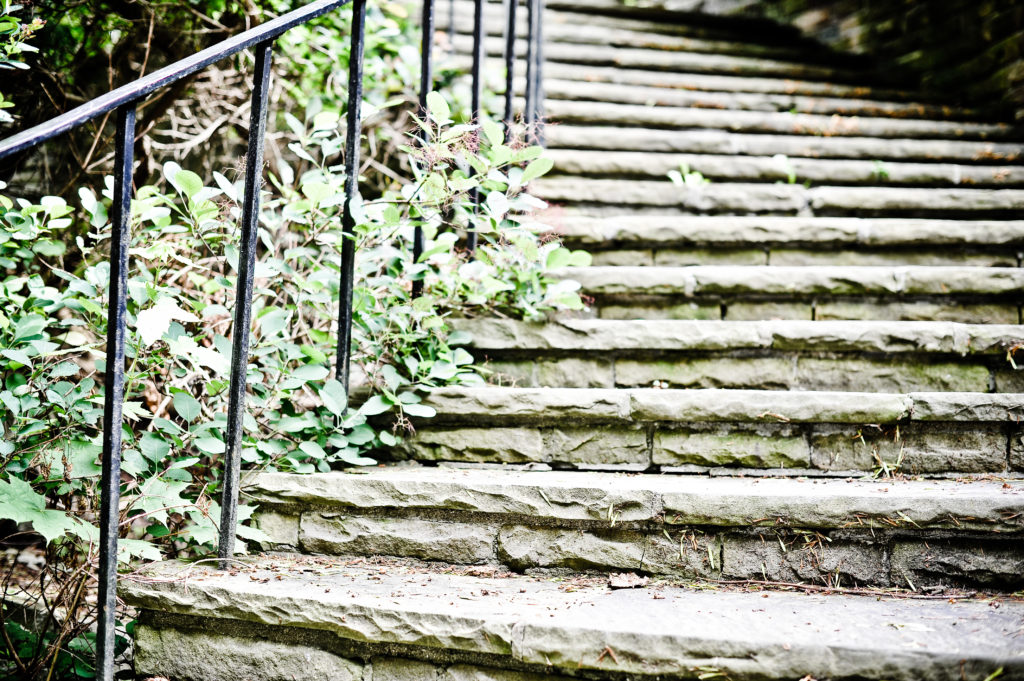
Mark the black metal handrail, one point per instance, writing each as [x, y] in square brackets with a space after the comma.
[125, 100]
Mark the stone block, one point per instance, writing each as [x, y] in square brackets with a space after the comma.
[516, 374]
[575, 373]
[622, 258]
[216, 656]
[891, 376]
[804, 556]
[397, 669]
[918, 311]
[452, 542]
[767, 406]
[1017, 450]
[911, 448]
[889, 258]
[282, 528]
[685, 310]
[463, 672]
[984, 562]
[748, 312]
[522, 548]
[597, 445]
[770, 449]
[1010, 380]
[499, 445]
[684, 258]
[765, 373]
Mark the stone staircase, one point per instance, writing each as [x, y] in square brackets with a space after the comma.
[790, 422]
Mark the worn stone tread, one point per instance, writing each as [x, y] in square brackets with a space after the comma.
[667, 60]
[523, 621]
[558, 88]
[538, 406]
[793, 281]
[628, 336]
[776, 198]
[710, 141]
[682, 118]
[738, 231]
[693, 500]
[783, 169]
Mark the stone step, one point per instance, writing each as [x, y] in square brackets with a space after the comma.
[697, 430]
[680, 118]
[569, 27]
[910, 293]
[677, 62]
[891, 357]
[748, 101]
[321, 619]
[737, 197]
[866, 533]
[666, 240]
[709, 141]
[717, 168]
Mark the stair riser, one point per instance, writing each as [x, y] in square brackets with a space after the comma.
[777, 371]
[673, 255]
[778, 449]
[845, 557]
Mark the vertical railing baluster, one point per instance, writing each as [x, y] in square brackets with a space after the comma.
[538, 77]
[476, 105]
[348, 246]
[451, 26]
[113, 394]
[243, 302]
[510, 62]
[426, 85]
[532, 19]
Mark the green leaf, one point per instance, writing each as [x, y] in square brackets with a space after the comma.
[536, 169]
[210, 445]
[420, 410]
[492, 131]
[154, 447]
[438, 108]
[310, 372]
[187, 407]
[375, 405]
[22, 504]
[333, 395]
[313, 450]
[558, 258]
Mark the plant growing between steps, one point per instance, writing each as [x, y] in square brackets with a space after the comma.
[181, 292]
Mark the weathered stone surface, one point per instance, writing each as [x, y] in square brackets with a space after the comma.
[755, 198]
[810, 557]
[586, 335]
[512, 374]
[679, 118]
[621, 257]
[509, 445]
[969, 313]
[743, 311]
[798, 281]
[575, 373]
[724, 448]
[911, 448]
[538, 405]
[215, 656]
[529, 547]
[755, 372]
[892, 198]
[760, 168]
[891, 376]
[987, 563]
[462, 672]
[837, 503]
[597, 445]
[453, 542]
[768, 406]
[681, 258]
[536, 622]
[936, 406]
[1009, 380]
[785, 257]
[563, 497]
[809, 146]
[672, 311]
[1017, 451]
[282, 528]
[737, 231]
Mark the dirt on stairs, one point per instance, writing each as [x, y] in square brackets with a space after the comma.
[788, 428]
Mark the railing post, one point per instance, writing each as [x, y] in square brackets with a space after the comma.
[348, 246]
[510, 62]
[243, 302]
[476, 103]
[534, 69]
[113, 396]
[426, 85]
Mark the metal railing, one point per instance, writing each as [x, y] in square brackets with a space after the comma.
[125, 100]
